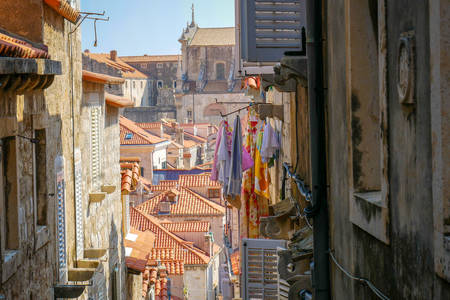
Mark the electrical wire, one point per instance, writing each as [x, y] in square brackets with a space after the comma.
[374, 289]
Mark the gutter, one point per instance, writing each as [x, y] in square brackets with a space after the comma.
[314, 50]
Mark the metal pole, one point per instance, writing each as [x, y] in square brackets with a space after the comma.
[321, 275]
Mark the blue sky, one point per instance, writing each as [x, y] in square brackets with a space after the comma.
[139, 27]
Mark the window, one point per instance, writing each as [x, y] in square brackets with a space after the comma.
[174, 84]
[159, 65]
[40, 177]
[220, 71]
[160, 84]
[164, 165]
[214, 193]
[142, 171]
[368, 117]
[189, 114]
[134, 84]
[142, 84]
[9, 194]
[128, 136]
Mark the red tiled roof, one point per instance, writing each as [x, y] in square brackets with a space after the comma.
[187, 226]
[130, 159]
[118, 101]
[130, 176]
[153, 125]
[63, 8]
[197, 180]
[189, 143]
[150, 58]
[127, 70]
[189, 203]
[101, 78]
[138, 135]
[138, 244]
[15, 47]
[165, 239]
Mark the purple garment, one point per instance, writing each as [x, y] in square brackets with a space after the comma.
[214, 168]
[270, 143]
[247, 160]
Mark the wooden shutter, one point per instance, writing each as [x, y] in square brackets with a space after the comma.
[79, 221]
[271, 27]
[61, 218]
[260, 277]
[95, 146]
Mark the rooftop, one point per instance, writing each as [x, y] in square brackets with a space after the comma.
[127, 70]
[224, 36]
[150, 58]
[132, 134]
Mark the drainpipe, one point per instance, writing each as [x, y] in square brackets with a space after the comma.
[314, 50]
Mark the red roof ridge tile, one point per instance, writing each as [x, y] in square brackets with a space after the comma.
[197, 252]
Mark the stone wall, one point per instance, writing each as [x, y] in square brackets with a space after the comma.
[195, 282]
[134, 286]
[403, 266]
[149, 113]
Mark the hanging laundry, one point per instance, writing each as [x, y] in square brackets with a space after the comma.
[270, 143]
[223, 162]
[235, 176]
[214, 168]
[261, 168]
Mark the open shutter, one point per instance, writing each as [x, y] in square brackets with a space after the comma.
[260, 277]
[271, 27]
[79, 222]
[61, 218]
[95, 146]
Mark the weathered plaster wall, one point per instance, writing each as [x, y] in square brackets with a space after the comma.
[403, 269]
[195, 282]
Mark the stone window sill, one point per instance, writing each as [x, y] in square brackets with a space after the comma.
[42, 237]
[368, 212]
[11, 262]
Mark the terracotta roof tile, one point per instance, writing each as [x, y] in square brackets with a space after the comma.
[15, 47]
[197, 180]
[214, 37]
[136, 245]
[130, 176]
[138, 136]
[101, 78]
[150, 58]
[165, 239]
[63, 8]
[130, 159]
[118, 101]
[189, 203]
[127, 70]
[187, 226]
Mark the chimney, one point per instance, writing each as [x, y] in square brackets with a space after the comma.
[179, 136]
[113, 55]
[208, 244]
[87, 51]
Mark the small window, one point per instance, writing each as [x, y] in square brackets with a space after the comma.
[174, 84]
[128, 136]
[164, 165]
[214, 193]
[220, 71]
[134, 84]
[189, 114]
[142, 84]
[160, 84]
[159, 65]
[142, 171]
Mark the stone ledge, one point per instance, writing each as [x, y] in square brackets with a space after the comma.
[97, 197]
[11, 262]
[37, 66]
[108, 188]
[368, 213]
[80, 274]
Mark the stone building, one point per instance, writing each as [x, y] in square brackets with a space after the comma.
[207, 75]
[56, 176]
[370, 139]
[137, 87]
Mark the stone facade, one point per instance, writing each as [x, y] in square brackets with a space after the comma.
[206, 75]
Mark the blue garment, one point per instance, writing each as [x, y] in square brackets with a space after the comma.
[235, 178]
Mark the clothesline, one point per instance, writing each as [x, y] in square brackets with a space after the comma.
[238, 110]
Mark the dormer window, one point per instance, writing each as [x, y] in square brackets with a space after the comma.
[164, 207]
[214, 193]
[172, 196]
[128, 136]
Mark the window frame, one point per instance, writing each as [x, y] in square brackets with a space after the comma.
[377, 200]
[216, 70]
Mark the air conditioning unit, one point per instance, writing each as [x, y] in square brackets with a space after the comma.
[260, 278]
